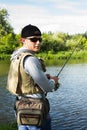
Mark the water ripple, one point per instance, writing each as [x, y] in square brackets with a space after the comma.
[68, 104]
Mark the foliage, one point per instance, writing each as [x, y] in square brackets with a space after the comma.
[53, 43]
[8, 40]
[5, 27]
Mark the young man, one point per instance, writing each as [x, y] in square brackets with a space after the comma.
[26, 72]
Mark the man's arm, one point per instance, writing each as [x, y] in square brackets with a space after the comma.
[32, 66]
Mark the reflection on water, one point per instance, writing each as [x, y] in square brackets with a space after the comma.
[68, 104]
[6, 102]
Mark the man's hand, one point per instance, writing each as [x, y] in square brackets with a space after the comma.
[55, 78]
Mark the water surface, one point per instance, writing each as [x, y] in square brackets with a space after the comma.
[68, 103]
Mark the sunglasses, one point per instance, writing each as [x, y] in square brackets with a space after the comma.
[35, 39]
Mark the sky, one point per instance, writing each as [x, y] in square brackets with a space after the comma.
[67, 16]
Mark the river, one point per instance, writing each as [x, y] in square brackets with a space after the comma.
[68, 103]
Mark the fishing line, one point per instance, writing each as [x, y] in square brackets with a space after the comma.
[71, 53]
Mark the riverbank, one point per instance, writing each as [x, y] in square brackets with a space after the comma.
[5, 56]
[52, 56]
[63, 55]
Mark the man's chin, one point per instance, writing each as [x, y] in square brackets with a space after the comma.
[37, 50]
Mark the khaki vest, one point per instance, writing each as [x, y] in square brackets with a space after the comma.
[19, 82]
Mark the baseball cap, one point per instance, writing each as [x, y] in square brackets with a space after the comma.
[30, 30]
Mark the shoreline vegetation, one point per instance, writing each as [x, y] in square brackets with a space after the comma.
[58, 57]
[63, 55]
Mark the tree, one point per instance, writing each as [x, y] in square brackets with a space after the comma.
[8, 40]
[9, 43]
[5, 27]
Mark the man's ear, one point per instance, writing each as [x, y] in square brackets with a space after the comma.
[22, 40]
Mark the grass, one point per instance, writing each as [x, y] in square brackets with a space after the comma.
[64, 55]
[51, 56]
[5, 56]
[11, 126]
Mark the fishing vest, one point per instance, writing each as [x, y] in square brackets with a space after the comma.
[19, 82]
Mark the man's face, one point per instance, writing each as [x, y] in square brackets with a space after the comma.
[33, 43]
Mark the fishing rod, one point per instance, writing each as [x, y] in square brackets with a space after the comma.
[71, 53]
